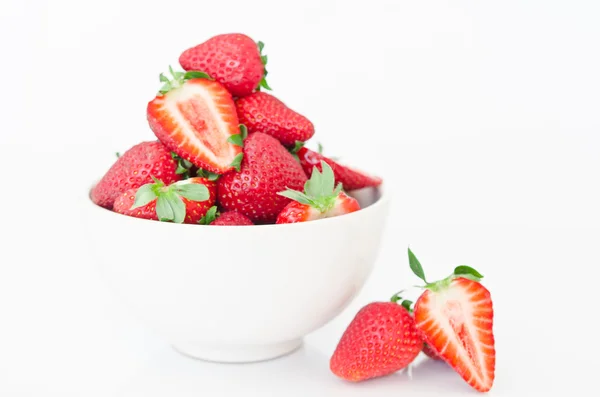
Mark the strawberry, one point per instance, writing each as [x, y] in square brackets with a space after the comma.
[185, 201]
[229, 218]
[429, 352]
[455, 316]
[234, 60]
[261, 112]
[351, 179]
[133, 169]
[195, 117]
[380, 340]
[319, 200]
[267, 168]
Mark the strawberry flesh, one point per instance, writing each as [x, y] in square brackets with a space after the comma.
[195, 121]
[456, 321]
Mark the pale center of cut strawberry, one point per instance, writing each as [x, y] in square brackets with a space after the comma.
[195, 113]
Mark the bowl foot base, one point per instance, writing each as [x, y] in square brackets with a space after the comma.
[236, 353]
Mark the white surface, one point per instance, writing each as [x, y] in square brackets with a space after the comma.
[482, 115]
[237, 294]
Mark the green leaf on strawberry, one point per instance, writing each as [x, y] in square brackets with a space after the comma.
[237, 162]
[415, 266]
[468, 272]
[178, 78]
[144, 195]
[320, 191]
[169, 204]
[211, 176]
[210, 216]
[192, 191]
[264, 59]
[196, 74]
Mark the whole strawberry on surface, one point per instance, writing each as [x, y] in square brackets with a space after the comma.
[262, 112]
[195, 117]
[351, 179]
[455, 317]
[267, 168]
[232, 59]
[380, 340]
[320, 199]
[133, 169]
[185, 201]
[229, 218]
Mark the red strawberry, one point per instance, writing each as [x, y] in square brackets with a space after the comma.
[133, 169]
[229, 218]
[195, 117]
[266, 169]
[455, 315]
[349, 178]
[261, 112]
[381, 340]
[429, 352]
[234, 60]
[186, 201]
[319, 200]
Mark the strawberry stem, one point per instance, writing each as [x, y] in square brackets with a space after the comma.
[459, 271]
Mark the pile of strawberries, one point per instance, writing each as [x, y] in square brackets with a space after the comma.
[452, 320]
[227, 153]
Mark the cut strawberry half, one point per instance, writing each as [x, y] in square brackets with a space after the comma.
[195, 117]
[455, 316]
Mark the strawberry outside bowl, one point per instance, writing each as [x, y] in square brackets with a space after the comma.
[238, 293]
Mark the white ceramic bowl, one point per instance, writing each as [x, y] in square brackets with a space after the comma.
[238, 293]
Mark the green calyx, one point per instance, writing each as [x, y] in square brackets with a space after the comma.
[210, 216]
[264, 59]
[211, 176]
[294, 151]
[169, 203]
[405, 303]
[178, 78]
[184, 167]
[320, 191]
[460, 271]
[238, 139]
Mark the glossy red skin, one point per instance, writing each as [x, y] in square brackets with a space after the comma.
[262, 112]
[194, 210]
[231, 59]
[429, 352]
[267, 168]
[296, 212]
[350, 179]
[380, 340]
[134, 169]
[476, 347]
[232, 218]
[168, 130]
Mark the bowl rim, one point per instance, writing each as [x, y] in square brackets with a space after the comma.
[383, 199]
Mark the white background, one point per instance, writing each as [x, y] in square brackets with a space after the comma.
[482, 116]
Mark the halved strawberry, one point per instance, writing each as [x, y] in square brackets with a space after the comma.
[351, 179]
[455, 316]
[195, 117]
[321, 199]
